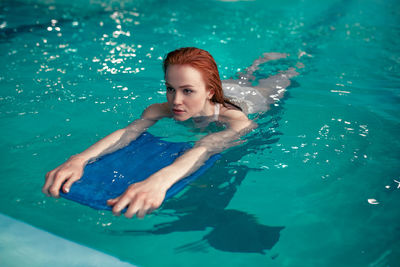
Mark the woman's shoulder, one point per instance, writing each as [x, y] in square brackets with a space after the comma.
[157, 111]
[235, 118]
[231, 112]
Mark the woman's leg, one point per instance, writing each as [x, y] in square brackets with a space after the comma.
[247, 76]
[274, 87]
[271, 88]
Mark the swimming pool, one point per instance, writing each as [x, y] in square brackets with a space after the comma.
[315, 184]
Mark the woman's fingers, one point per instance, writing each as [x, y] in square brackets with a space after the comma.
[111, 202]
[150, 210]
[120, 205]
[133, 208]
[142, 212]
[48, 183]
[69, 182]
[68, 172]
[54, 180]
[136, 204]
[60, 178]
[139, 199]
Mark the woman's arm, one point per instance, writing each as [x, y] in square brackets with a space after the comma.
[144, 197]
[72, 169]
[193, 159]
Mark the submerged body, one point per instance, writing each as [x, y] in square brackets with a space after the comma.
[255, 99]
[194, 91]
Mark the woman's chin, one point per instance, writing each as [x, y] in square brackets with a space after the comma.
[181, 118]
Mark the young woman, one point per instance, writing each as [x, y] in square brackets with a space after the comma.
[194, 91]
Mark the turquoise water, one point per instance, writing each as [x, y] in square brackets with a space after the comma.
[315, 184]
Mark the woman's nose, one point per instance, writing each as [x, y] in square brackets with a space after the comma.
[177, 98]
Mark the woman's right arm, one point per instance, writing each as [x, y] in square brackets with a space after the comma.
[72, 170]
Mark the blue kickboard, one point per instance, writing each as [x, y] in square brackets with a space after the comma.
[110, 176]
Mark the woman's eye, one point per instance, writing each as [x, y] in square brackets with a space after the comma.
[187, 91]
[170, 89]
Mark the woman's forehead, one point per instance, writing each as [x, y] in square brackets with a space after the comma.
[183, 74]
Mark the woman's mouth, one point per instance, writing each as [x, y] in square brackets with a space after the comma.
[178, 111]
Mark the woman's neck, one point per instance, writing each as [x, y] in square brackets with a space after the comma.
[208, 111]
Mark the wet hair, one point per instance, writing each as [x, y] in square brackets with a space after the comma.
[202, 61]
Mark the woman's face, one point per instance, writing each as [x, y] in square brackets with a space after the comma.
[187, 93]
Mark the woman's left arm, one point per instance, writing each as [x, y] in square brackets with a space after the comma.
[144, 197]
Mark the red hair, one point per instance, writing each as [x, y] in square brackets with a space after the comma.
[202, 61]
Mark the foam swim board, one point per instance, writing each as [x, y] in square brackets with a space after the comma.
[110, 175]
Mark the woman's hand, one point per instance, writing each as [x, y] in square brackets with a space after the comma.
[68, 172]
[140, 198]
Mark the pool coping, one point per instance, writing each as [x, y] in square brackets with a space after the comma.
[24, 245]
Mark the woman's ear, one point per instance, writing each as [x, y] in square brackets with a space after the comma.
[210, 93]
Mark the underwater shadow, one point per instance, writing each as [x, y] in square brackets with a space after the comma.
[236, 231]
